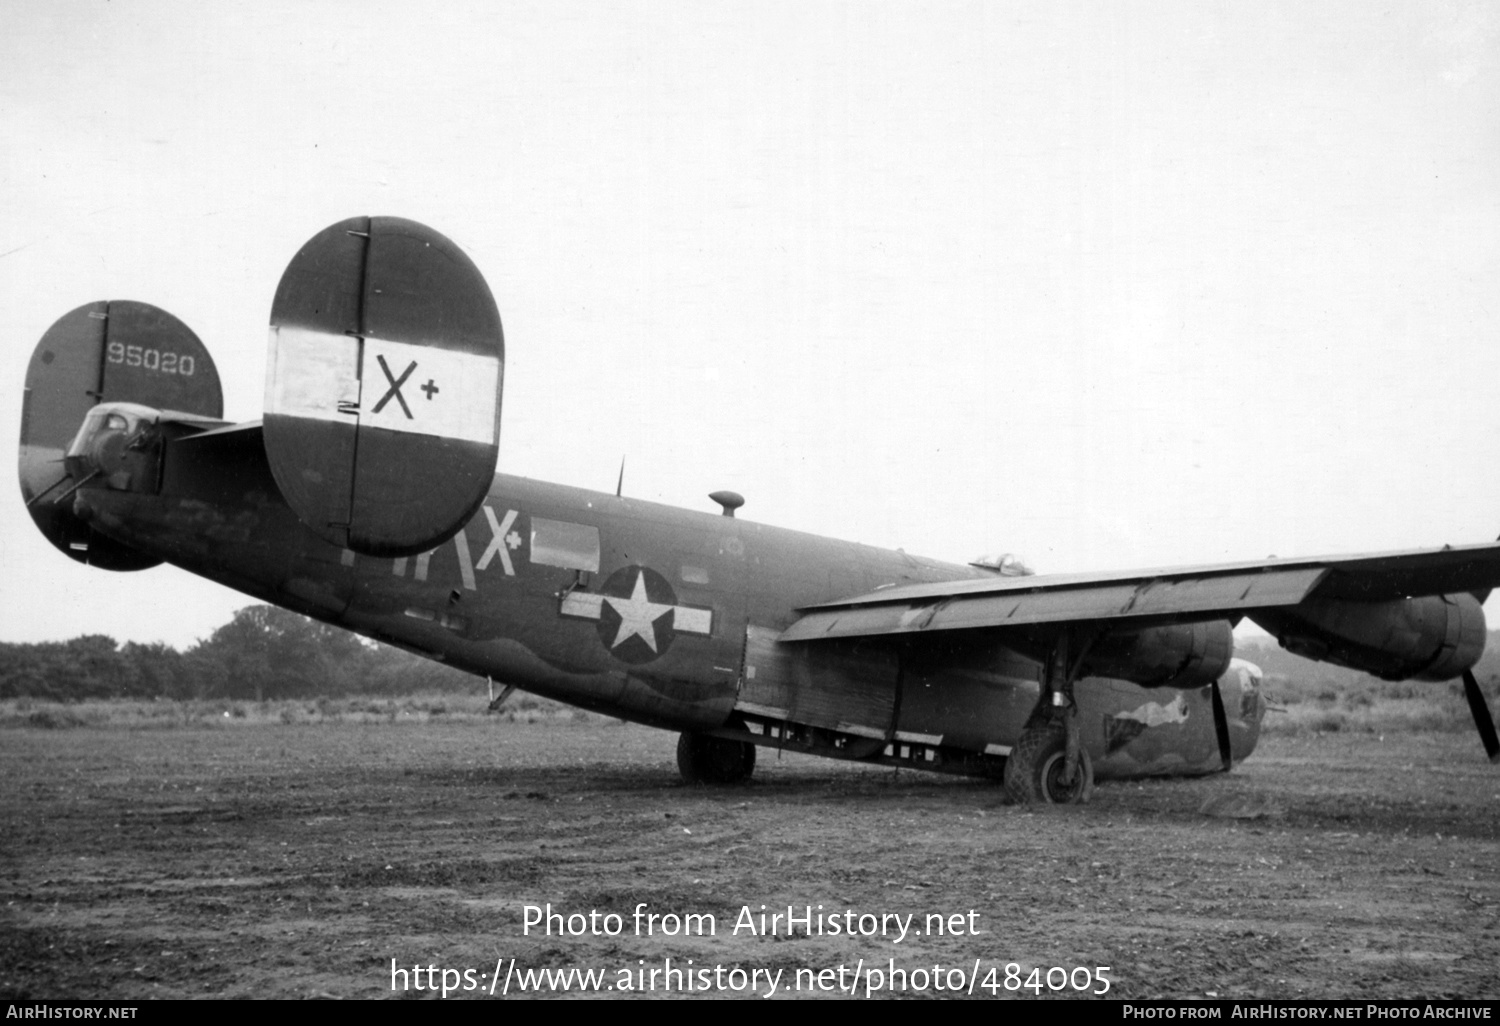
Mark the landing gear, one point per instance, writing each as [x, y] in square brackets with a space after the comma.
[702, 759]
[1036, 771]
[1048, 764]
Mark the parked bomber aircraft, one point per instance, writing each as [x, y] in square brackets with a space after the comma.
[367, 497]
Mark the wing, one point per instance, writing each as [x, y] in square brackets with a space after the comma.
[1148, 597]
[1398, 615]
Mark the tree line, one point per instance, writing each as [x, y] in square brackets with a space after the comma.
[262, 653]
[266, 652]
[1276, 661]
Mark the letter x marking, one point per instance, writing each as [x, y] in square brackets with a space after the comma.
[395, 389]
[497, 547]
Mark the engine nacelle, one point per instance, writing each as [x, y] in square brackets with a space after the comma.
[1182, 655]
[1436, 637]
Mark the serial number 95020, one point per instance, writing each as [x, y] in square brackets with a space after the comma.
[151, 359]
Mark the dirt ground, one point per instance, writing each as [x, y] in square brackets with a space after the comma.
[299, 860]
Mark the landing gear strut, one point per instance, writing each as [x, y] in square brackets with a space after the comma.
[702, 759]
[1048, 763]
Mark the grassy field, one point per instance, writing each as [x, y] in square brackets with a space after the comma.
[1315, 703]
[193, 854]
[1369, 706]
[166, 714]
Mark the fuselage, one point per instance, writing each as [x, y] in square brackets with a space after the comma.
[648, 612]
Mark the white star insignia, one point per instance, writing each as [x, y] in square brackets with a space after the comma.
[638, 614]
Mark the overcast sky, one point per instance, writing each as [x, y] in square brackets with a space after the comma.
[1106, 284]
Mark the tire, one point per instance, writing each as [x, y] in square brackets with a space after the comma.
[702, 759]
[1034, 768]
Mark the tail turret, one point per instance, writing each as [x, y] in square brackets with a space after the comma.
[115, 351]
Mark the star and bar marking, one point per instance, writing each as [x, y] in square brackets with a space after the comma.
[637, 613]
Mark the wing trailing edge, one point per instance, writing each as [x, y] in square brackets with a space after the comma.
[1151, 596]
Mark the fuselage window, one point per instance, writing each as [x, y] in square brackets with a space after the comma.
[559, 543]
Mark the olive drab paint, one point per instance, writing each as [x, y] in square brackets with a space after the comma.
[368, 498]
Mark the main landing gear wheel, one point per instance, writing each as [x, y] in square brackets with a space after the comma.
[702, 759]
[1035, 768]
